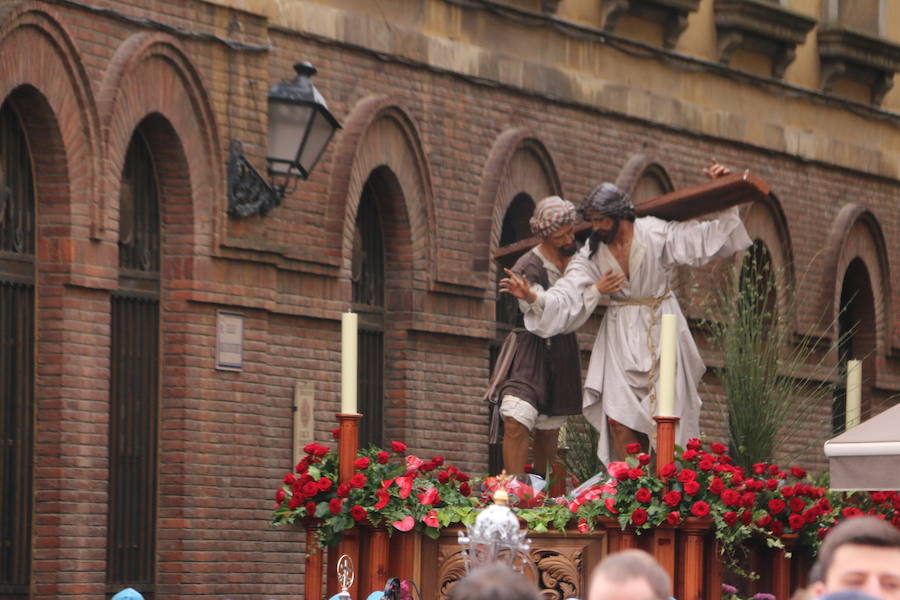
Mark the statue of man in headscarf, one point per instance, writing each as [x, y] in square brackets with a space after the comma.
[630, 262]
[536, 382]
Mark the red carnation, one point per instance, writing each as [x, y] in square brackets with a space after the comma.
[361, 463]
[633, 448]
[730, 518]
[358, 513]
[748, 499]
[643, 495]
[672, 498]
[398, 447]
[700, 509]
[691, 487]
[787, 491]
[776, 506]
[639, 516]
[334, 505]
[382, 457]
[798, 472]
[668, 470]
[673, 517]
[718, 448]
[343, 490]
[358, 480]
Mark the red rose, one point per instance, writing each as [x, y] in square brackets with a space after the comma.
[639, 516]
[773, 468]
[429, 496]
[718, 448]
[746, 517]
[398, 447]
[464, 489]
[295, 502]
[383, 498]
[668, 470]
[280, 495]
[673, 517]
[443, 477]
[635, 473]
[324, 484]
[700, 509]
[438, 460]
[310, 489]
[731, 498]
[315, 449]
[759, 468]
[672, 498]
[461, 477]
[361, 463]
[643, 459]
[850, 511]
[764, 521]
[737, 479]
[730, 518]
[643, 495]
[618, 470]
[431, 519]
[334, 505]
[706, 465]
[289, 479]
[781, 475]
[336, 433]
[771, 484]
[748, 499]
[796, 522]
[689, 455]
[877, 497]
[310, 509]
[429, 466]
[358, 513]
[343, 490]
[798, 472]
[687, 475]
[358, 480]
[303, 465]
[725, 459]
[716, 486]
[633, 448]
[797, 505]
[777, 528]
[694, 444]
[822, 532]
[382, 457]
[776, 506]
[691, 487]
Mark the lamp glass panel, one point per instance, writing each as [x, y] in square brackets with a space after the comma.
[287, 124]
[319, 135]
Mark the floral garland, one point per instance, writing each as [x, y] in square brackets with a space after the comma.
[405, 492]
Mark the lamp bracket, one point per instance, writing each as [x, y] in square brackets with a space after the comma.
[248, 192]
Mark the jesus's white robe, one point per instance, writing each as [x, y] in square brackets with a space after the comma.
[617, 382]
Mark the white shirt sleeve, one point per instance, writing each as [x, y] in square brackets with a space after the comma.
[563, 308]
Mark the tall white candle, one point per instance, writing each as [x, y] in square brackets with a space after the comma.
[665, 395]
[854, 393]
[349, 321]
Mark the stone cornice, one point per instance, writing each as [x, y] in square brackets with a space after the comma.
[854, 55]
[671, 14]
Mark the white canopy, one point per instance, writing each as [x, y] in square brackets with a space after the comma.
[867, 457]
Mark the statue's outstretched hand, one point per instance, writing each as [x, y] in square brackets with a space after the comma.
[716, 170]
[610, 283]
[517, 285]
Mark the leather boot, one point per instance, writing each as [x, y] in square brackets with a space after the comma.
[621, 436]
[545, 450]
[515, 446]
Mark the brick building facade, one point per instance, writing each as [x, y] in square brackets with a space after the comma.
[452, 113]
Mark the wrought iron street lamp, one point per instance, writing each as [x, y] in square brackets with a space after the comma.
[300, 127]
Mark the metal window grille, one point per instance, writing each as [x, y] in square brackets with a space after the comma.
[135, 380]
[368, 300]
[17, 315]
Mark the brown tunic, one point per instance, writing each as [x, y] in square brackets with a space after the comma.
[546, 372]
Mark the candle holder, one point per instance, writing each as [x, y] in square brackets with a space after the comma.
[348, 444]
[665, 441]
[345, 576]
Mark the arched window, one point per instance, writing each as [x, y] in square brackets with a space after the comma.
[17, 333]
[135, 377]
[856, 328]
[506, 310]
[368, 301]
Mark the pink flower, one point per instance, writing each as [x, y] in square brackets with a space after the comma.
[431, 519]
[404, 524]
[429, 496]
[413, 463]
[610, 504]
[405, 484]
[383, 498]
[618, 470]
[583, 526]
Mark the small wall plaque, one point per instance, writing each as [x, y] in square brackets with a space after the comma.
[229, 341]
[304, 418]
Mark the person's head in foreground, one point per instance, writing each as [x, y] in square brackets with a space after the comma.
[629, 575]
[861, 554]
[495, 582]
[128, 594]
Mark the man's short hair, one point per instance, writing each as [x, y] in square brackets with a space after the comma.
[495, 582]
[635, 564]
[859, 531]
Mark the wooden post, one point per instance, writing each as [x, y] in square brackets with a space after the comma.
[376, 567]
[665, 441]
[691, 544]
[312, 584]
[714, 569]
[663, 544]
[347, 445]
[781, 568]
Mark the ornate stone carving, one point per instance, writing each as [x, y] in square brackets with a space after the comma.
[869, 60]
[671, 14]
